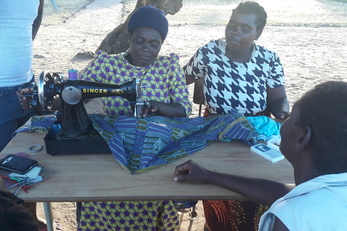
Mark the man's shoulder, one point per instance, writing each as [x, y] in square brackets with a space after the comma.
[322, 209]
[335, 199]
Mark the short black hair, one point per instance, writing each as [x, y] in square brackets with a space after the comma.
[253, 8]
[324, 110]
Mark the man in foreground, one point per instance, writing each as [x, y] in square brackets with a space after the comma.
[314, 142]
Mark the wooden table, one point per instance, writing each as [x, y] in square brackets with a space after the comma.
[99, 177]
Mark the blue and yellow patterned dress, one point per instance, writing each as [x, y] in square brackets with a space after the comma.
[164, 81]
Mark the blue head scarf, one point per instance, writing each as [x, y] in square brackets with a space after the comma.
[149, 16]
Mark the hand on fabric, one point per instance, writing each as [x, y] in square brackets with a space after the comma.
[278, 103]
[152, 109]
[282, 115]
[164, 109]
[23, 99]
[191, 172]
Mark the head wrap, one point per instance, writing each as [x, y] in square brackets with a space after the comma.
[149, 16]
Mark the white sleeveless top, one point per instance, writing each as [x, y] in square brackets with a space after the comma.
[316, 205]
[16, 52]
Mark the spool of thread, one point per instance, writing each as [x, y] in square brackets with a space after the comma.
[72, 74]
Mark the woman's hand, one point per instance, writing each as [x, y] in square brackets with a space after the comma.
[278, 103]
[282, 115]
[164, 109]
[23, 99]
[153, 108]
[191, 172]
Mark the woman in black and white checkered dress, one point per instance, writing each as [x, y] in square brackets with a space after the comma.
[239, 76]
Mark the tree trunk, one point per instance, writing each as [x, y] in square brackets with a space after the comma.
[117, 40]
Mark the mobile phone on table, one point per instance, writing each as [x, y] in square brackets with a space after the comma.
[17, 164]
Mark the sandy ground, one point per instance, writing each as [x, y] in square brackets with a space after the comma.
[309, 36]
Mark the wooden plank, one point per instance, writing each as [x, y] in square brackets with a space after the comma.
[99, 177]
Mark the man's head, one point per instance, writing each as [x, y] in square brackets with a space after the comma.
[322, 112]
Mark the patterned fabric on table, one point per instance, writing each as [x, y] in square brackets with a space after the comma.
[231, 85]
[40, 124]
[144, 144]
[129, 216]
[163, 80]
[140, 145]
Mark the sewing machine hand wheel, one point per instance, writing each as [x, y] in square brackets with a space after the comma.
[47, 89]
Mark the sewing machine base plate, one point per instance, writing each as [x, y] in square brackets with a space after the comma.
[57, 145]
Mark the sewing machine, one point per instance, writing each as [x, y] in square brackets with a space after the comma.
[73, 132]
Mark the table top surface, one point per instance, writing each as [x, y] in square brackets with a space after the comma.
[99, 177]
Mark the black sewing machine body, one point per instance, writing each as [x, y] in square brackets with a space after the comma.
[73, 132]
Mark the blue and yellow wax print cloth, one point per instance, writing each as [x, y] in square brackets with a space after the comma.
[140, 145]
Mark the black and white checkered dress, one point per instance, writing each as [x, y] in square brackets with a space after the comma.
[231, 86]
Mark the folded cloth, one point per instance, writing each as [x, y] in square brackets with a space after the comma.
[266, 127]
[141, 145]
[40, 124]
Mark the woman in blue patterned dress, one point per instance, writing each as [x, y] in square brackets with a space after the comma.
[239, 75]
[163, 85]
